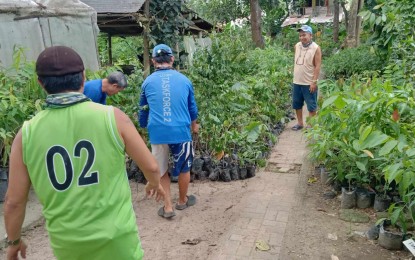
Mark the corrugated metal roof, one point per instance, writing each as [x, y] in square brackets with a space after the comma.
[115, 6]
[323, 15]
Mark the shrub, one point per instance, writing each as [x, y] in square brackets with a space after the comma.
[351, 61]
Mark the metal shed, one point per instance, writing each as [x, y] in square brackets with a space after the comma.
[35, 25]
[122, 18]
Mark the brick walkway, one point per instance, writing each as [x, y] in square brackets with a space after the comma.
[266, 208]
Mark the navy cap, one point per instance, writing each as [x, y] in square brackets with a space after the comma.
[162, 50]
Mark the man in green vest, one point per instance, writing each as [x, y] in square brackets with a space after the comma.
[73, 153]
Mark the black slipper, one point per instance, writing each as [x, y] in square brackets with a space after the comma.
[297, 127]
[165, 214]
[191, 200]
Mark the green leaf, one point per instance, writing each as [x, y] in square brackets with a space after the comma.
[356, 145]
[366, 131]
[378, 20]
[392, 172]
[410, 152]
[238, 86]
[407, 180]
[214, 118]
[253, 131]
[340, 103]
[377, 7]
[329, 101]
[361, 166]
[388, 147]
[374, 139]
[395, 215]
[372, 18]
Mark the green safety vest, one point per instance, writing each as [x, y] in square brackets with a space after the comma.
[76, 163]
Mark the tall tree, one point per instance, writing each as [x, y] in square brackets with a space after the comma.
[359, 22]
[256, 24]
[345, 11]
[353, 27]
[336, 22]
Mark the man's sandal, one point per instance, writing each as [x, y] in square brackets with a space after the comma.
[297, 127]
[164, 214]
[191, 200]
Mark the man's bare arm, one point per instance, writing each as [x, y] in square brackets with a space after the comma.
[16, 196]
[138, 151]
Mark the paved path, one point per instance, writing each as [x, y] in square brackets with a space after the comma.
[265, 210]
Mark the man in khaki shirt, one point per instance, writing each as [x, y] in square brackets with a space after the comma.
[307, 64]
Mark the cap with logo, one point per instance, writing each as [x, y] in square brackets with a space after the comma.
[305, 28]
[58, 61]
[162, 50]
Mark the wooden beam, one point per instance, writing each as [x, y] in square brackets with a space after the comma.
[118, 25]
[110, 49]
[146, 40]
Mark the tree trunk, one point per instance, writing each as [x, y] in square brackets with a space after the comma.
[146, 44]
[256, 24]
[336, 22]
[346, 13]
[351, 40]
[359, 23]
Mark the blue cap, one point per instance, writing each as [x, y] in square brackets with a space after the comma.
[162, 50]
[305, 28]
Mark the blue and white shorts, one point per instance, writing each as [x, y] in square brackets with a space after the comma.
[182, 154]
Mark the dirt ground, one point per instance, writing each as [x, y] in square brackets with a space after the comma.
[312, 219]
[316, 232]
[164, 239]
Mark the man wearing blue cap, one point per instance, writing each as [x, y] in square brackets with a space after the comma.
[307, 64]
[168, 109]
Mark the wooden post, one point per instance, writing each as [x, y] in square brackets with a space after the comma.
[178, 56]
[146, 44]
[109, 49]
[314, 8]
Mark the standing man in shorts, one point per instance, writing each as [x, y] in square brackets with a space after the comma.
[168, 109]
[307, 64]
[73, 153]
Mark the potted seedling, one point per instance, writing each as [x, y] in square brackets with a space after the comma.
[394, 229]
[382, 199]
[348, 198]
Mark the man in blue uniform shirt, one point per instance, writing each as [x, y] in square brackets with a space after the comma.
[98, 89]
[168, 109]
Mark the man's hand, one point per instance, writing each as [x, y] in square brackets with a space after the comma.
[155, 191]
[13, 251]
[195, 128]
[313, 87]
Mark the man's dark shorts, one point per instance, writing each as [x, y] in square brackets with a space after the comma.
[301, 94]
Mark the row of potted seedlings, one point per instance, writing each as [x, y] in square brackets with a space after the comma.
[205, 168]
[389, 235]
[228, 168]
